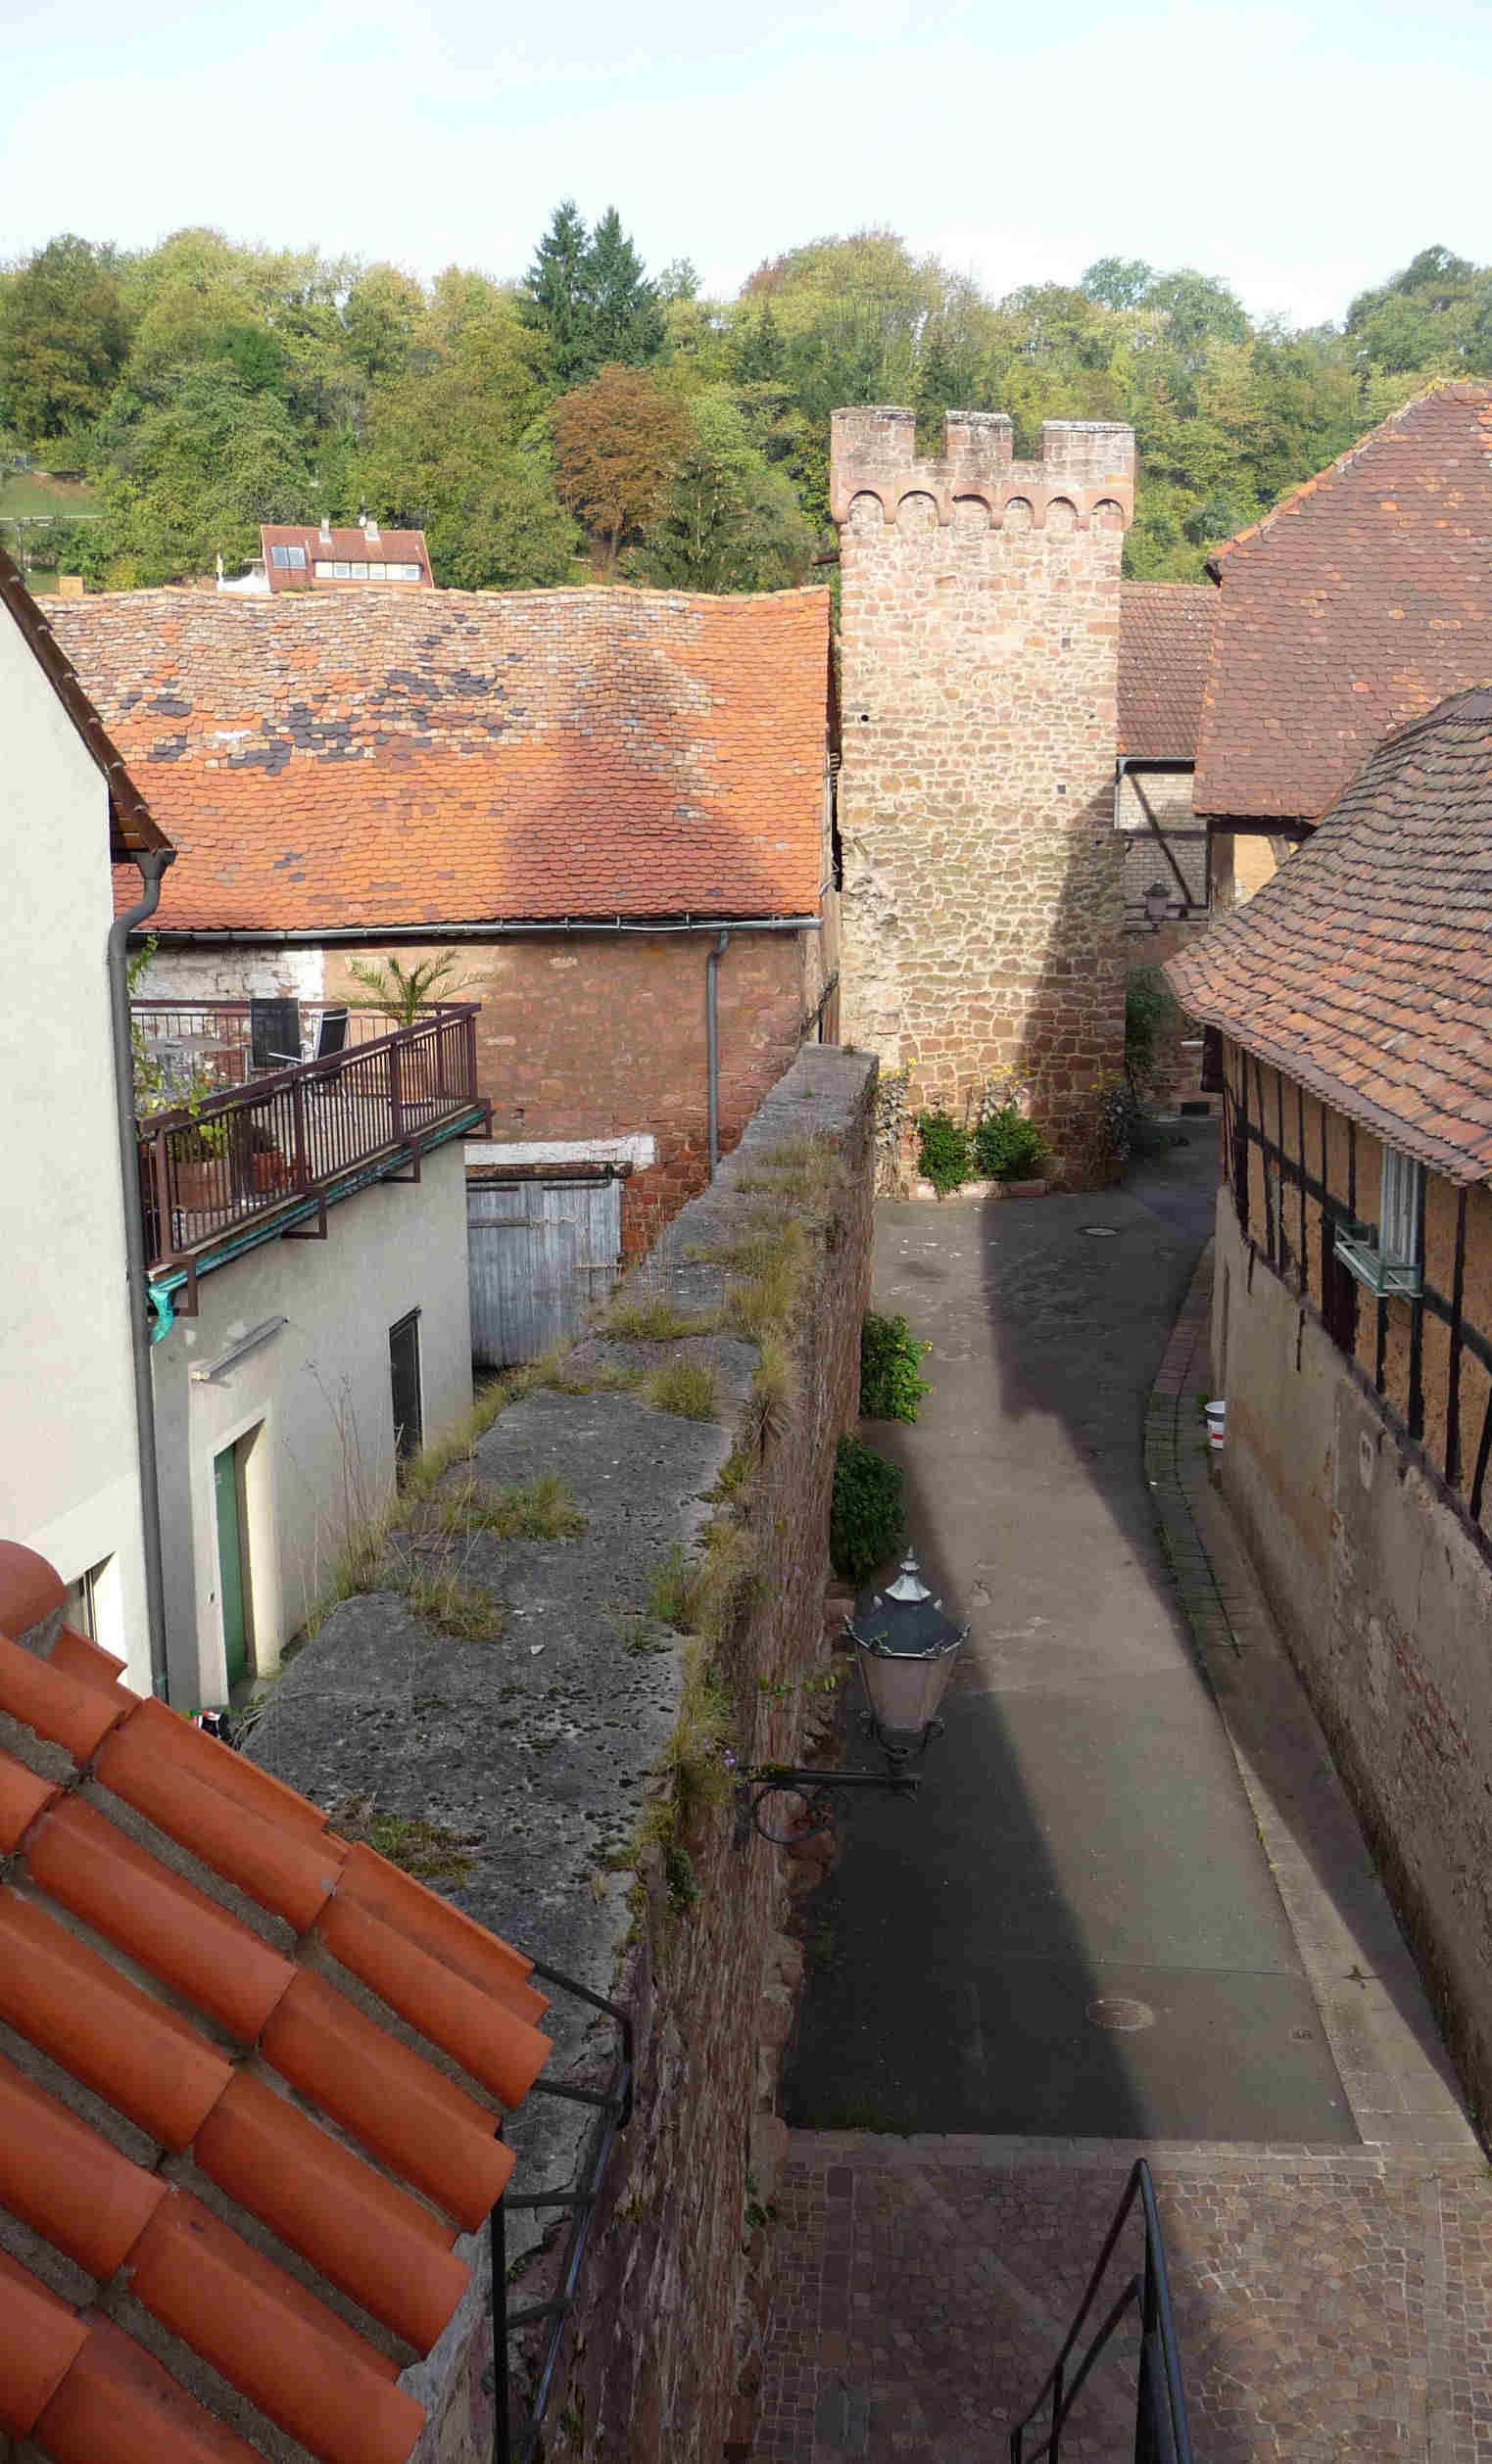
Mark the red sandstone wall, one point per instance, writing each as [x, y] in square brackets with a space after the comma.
[597, 1038]
[982, 912]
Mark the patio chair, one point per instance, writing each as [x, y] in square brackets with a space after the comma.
[274, 1034]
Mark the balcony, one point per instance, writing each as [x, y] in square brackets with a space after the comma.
[246, 1146]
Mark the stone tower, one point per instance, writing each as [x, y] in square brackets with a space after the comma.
[983, 873]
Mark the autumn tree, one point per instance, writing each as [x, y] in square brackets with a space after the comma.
[726, 520]
[616, 442]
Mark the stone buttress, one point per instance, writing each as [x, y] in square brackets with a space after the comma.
[983, 874]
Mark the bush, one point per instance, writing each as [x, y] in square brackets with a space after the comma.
[944, 1156]
[1151, 1022]
[1007, 1147]
[890, 1386]
[866, 1519]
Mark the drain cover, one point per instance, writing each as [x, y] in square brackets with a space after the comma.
[1100, 1231]
[1121, 2013]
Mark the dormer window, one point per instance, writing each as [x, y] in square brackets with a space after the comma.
[289, 559]
[1389, 1263]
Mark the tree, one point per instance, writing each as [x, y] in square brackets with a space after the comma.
[626, 313]
[63, 337]
[726, 520]
[444, 455]
[616, 441]
[557, 300]
[380, 317]
[1117, 282]
[195, 478]
[1435, 318]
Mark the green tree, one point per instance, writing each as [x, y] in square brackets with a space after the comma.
[194, 478]
[445, 457]
[626, 312]
[726, 520]
[557, 300]
[380, 319]
[616, 442]
[1435, 318]
[64, 337]
[1117, 282]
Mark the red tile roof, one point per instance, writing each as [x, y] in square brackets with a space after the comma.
[1363, 968]
[346, 547]
[1358, 603]
[1165, 629]
[133, 830]
[230, 2094]
[370, 760]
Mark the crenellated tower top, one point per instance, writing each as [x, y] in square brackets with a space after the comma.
[1086, 465]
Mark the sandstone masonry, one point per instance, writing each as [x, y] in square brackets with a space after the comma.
[983, 910]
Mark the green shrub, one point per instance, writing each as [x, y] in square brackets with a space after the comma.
[1007, 1147]
[866, 1518]
[942, 1151]
[1151, 1022]
[890, 1386]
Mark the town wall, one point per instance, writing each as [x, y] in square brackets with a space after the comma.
[1381, 1583]
[983, 893]
[544, 1745]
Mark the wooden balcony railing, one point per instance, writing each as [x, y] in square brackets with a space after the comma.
[233, 1156]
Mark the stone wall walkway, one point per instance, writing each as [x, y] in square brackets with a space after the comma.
[1333, 2305]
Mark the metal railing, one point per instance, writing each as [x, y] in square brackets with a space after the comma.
[190, 1043]
[1161, 2434]
[208, 1166]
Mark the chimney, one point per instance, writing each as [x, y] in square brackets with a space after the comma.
[324, 533]
[370, 528]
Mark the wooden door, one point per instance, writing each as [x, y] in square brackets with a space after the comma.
[230, 1563]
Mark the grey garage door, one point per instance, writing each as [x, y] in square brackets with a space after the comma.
[542, 1254]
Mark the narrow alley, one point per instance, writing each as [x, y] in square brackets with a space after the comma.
[1130, 1913]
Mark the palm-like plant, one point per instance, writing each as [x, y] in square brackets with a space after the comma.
[404, 990]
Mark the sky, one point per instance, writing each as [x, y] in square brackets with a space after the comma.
[1303, 153]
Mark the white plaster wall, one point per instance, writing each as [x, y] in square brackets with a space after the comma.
[315, 1399]
[230, 971]
[69, 1466]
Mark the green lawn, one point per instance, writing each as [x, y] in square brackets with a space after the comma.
[27, 494]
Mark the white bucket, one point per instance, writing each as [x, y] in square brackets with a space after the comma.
[1216, 1419]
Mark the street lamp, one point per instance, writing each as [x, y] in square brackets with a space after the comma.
[905, 1648]
[1157, 905]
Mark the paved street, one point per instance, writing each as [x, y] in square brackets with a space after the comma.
[1073, 1930]
[1130, 1914]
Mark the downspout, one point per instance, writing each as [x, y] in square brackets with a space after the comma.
[712, 1045]
[151, 863]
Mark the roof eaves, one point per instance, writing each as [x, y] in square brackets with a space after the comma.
[134, 829]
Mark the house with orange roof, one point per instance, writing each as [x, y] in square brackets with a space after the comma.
[253, 2090]
[237, 1265]
[1352, 1305]
[330, 557]
[612, 805]
[1357, 604]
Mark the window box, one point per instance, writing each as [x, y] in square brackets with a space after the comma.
[1386, 1259]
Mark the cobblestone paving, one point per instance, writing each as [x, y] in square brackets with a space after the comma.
[1332, 2308]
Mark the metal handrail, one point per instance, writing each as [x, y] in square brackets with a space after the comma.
[1161, 2433]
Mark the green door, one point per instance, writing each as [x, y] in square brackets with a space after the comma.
[230, 1564]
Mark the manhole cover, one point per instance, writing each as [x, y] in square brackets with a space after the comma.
[1121, 2013]
[1100, 1231]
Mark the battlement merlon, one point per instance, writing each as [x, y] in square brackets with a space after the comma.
[1086, 464]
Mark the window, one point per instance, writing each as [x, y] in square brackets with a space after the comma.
[81, 1609]
[295, 558]
[1399, 1208]
[324, 569]
[342, 570]
[279, 557]
[359, 569]
[1390, 1265]
[375, 573]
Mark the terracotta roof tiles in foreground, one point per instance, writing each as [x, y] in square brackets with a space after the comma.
[373, 760]
[1165, 631]
[1358, 603]
[250, 2076]
[1363, 968]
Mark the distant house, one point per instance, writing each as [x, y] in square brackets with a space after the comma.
[224, 1323]
[1358, 603]
[1352, 1330]
[1164, 631]
[614, 805]
[318, 557]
